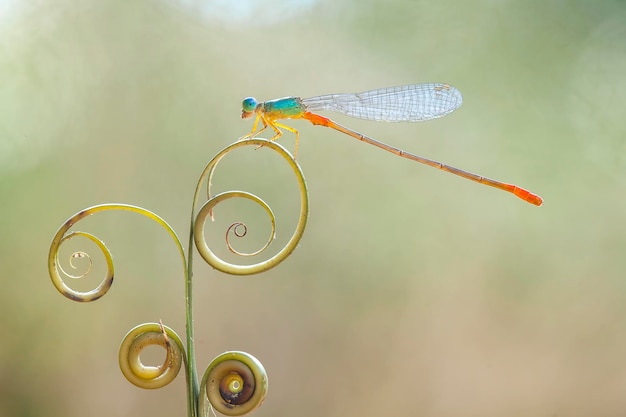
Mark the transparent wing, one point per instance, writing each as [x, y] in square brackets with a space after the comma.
[406, 103]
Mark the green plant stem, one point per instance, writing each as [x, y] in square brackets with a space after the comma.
[192, 374]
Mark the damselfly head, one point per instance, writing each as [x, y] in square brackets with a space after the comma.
[248, 106]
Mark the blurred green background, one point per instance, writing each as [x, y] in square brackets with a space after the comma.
[413, 292]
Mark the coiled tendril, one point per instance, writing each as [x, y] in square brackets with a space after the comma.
[206, 211]
[142, 336]
[63, 235]
[234, 383]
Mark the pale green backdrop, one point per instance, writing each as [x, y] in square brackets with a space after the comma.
[413, 292]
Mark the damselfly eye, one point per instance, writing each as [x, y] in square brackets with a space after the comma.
[249, 104]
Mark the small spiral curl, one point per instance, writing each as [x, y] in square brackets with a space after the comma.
[234, 384]
[239, 229]
[206, 212]
[142, 336]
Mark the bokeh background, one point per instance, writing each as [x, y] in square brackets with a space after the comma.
[413, 292]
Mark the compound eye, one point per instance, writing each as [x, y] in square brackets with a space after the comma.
[249, 104]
